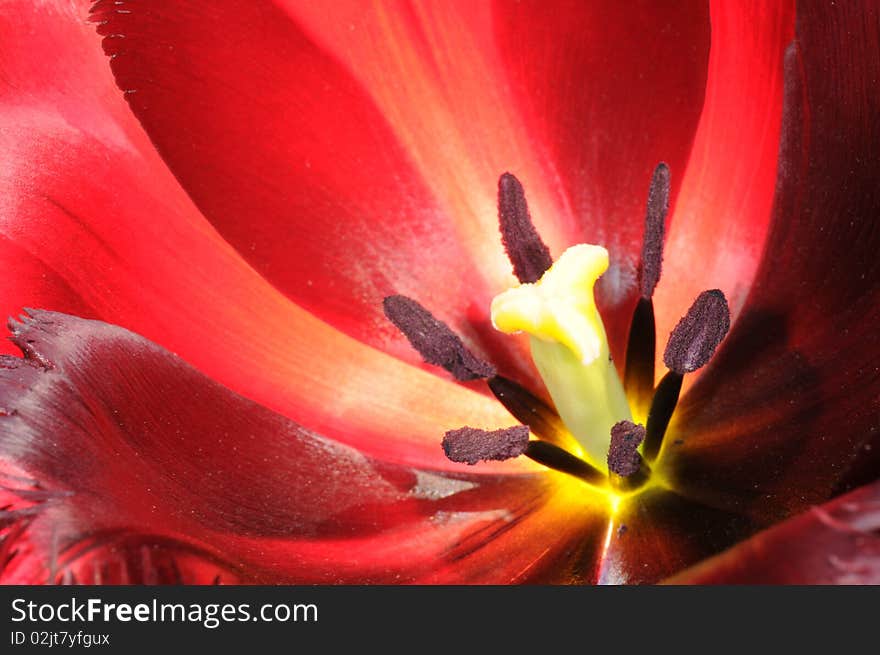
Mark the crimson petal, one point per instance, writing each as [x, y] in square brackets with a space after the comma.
[289, 157]
[610, 89]
[835, 543]
[384, 128]
[91, 221]
[659, 532]
[787, 413]
[135, 454]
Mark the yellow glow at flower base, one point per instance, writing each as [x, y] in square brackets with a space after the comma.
[569, 346]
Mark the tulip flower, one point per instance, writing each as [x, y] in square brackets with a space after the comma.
[210, 211]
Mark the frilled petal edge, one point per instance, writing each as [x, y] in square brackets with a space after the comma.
[121, 463]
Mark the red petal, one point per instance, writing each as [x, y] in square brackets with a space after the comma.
[89, 211]
[304, 172]
[609, 90]
[134, 450]
[192, 293]
[837, 543]
[353, 112]
[787, 414]
[718, 229]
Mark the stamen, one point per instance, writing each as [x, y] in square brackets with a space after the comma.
[623, 454]
[527, 408]
[655, 218]
[470, 445]
[434, 340]
[638, 379]
[525, 249]
[697, 335]
[563, 461]
[691, 345]
[638, 374]
[662, 407]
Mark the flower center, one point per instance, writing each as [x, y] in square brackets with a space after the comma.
[555, 306]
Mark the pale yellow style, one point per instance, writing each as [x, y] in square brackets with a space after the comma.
[569, 346]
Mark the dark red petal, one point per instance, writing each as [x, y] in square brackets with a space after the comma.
[835, 543]
[132, 449]
[657, 533]
[304, 170]
[788, 414]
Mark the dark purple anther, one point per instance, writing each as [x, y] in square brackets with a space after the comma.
[655, 218]
[697, 335]
[525, 249]
[434, 340]
[623, 456]
[470, 445]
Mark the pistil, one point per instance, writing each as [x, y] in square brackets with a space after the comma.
[569, 346]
